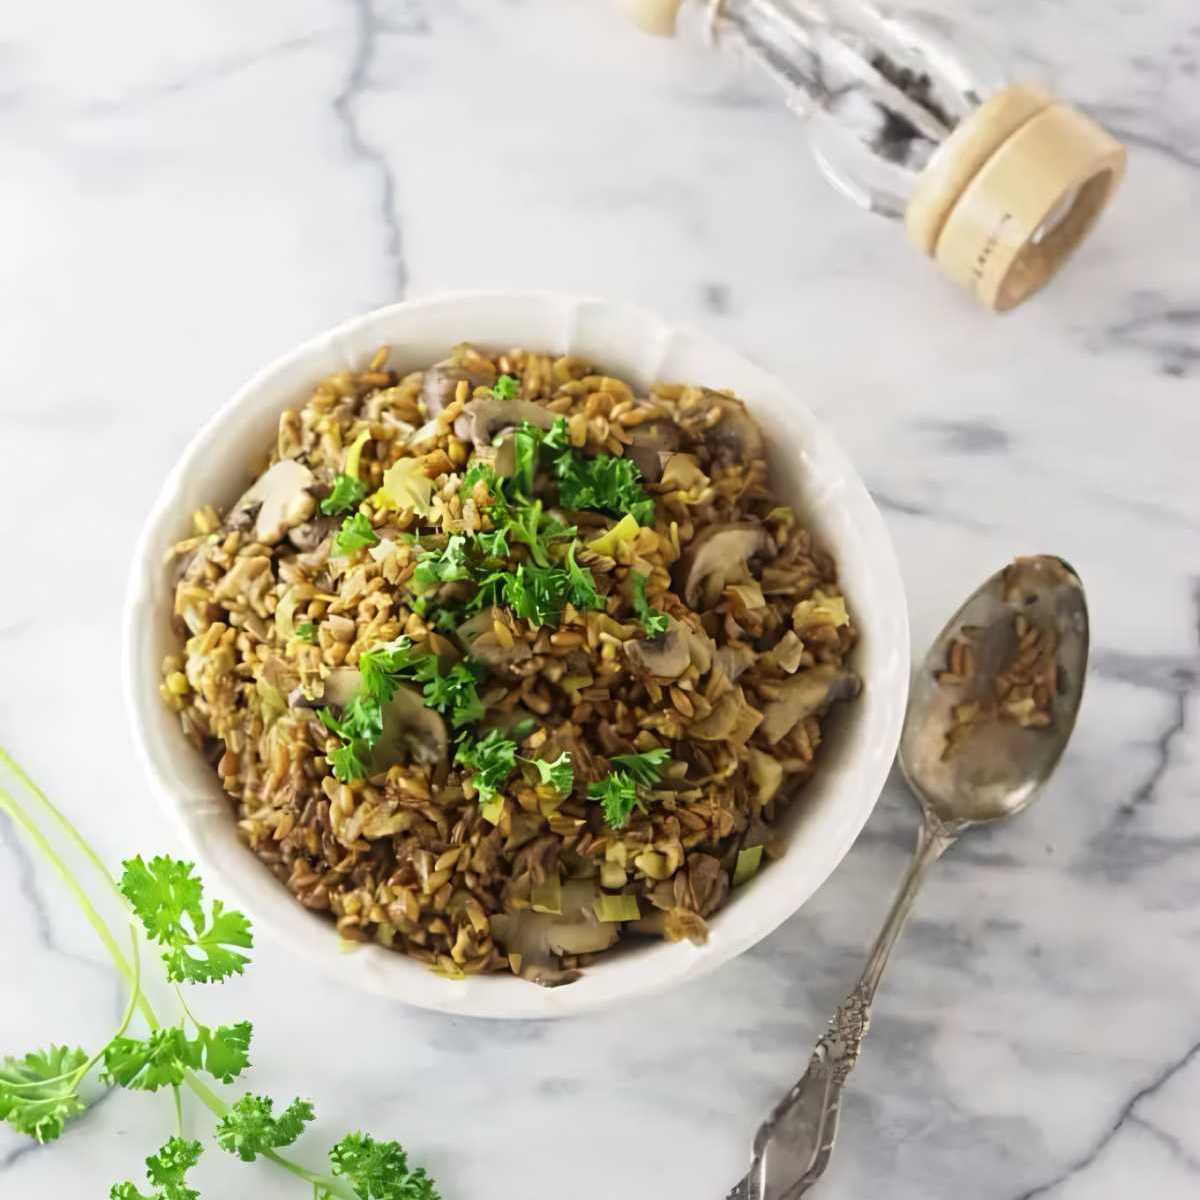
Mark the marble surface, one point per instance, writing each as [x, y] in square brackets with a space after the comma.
[188, 189]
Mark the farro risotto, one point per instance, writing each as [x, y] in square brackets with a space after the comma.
[502, 661]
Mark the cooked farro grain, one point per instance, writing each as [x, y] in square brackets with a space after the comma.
[486, 693]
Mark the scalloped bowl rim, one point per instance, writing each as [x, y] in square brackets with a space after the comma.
[218, 462]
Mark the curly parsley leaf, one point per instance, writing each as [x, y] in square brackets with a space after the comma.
[559, 773]
[618, 796]
[621, 792]
[492, 759]
[604, 483]
[507, 387]
[306, 631]
[455, 692]
[645, 768]
[348, 493]
[38, 1093]
[447, 565]
[226, 1050]
[167, 1172]
[147, 1064]
[653, 621]
[251, 1128]
[383, 667]
[492, 545]
[167, 898]
[379, 1170]
[581, 585]
[529, 524]
[356, 533]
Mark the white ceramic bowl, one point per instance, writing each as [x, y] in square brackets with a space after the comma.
[808, 471]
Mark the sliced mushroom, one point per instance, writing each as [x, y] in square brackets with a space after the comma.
[478, 638]
[733, 718]
[440, 384]
[736, 437]
[715, 556]
[539, 937]
[308, 535]
[483, 420]
[667, 656]
[411, 732]
[805, 695]
[279, 499]
[701, 648]
[704, 886]
[649, 442]
[735, 660]
[680, 472]
[341, 686]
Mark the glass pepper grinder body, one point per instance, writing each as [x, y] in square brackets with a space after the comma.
[914, 118]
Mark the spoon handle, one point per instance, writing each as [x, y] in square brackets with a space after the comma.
[793, 1145]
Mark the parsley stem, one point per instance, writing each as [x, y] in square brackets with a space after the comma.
[97, 922]
[178, 1109]
[69, 829]
[131, 973]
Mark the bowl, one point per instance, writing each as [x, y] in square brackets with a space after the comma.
[809, 471]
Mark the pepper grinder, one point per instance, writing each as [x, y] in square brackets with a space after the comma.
[912, 117]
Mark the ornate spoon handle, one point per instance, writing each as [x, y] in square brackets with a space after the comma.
[793, 1145]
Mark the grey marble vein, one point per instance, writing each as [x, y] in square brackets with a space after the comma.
[367, 29]
[1125, 1116]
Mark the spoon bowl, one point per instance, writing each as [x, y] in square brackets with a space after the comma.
[993, 704]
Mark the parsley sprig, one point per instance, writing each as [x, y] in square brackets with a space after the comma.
[348, 493]
[624, 789]
[653, 621]
[41, 1091]
[452, 691]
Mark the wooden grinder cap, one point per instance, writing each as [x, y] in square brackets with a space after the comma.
[1014, 189]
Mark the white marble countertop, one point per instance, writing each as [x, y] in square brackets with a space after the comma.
[188, 190]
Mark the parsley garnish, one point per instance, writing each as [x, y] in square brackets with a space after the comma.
[447, 565]
[618, 795]
[348, 493]
[251, 1128]
[166, 1171]
[621, 792]
[604, 483]
[653, 621]
[492, 759]
[559, 774]
[379, 1170]
[528, 524]
[165, 1057]
[581, 585]
[507, 387]
[306, 631]
[40, 1092]
[167, 898]
[644, 768]
[355, 534]
[454, 692]
[536, 593]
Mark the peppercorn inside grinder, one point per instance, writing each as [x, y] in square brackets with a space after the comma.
[911, 117]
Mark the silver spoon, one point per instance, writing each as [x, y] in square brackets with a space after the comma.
[990, 712]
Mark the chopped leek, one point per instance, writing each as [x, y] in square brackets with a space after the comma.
[617, 908]
[406, 487]
[622, 533]
[354, 454]
[748, 862]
